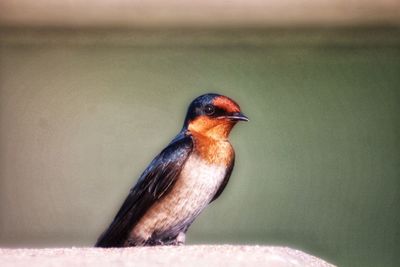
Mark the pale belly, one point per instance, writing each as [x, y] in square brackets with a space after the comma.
[194, 189]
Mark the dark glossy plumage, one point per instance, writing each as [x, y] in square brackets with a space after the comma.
[158, 180]
[155, 181]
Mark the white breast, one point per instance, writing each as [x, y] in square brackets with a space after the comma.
[199, 181]
[196, 186]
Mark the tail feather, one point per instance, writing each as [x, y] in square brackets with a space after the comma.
[114, 236]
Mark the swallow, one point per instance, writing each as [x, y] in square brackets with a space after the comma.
[191, 172]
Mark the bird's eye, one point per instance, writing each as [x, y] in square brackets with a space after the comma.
[209, 109]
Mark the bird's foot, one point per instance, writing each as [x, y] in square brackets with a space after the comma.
[180, 239]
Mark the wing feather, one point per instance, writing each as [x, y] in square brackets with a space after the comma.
[153, 184]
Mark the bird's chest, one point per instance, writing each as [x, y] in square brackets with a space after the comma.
[196, 186]
[194, 189]
[199, 181]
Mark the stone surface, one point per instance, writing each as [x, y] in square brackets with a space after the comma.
[200, 255]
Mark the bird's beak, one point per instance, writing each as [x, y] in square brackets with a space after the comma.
[236, 116]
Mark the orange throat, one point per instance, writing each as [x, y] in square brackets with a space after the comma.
[217, 129]
[211, 139]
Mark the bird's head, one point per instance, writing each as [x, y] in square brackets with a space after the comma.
[213, 116]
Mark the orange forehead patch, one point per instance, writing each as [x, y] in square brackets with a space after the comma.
[226, 104]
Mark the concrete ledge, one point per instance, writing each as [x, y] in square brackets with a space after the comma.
[200, 255]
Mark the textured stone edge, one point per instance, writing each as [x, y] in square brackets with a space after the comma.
[194, 255]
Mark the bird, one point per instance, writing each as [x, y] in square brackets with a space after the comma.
[187, 175]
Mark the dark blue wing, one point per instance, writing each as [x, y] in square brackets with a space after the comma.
[155, 182]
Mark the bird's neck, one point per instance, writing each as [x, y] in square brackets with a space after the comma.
[211, 139]
[214, 151]
[211, 128]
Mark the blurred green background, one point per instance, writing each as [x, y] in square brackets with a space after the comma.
[82, 113]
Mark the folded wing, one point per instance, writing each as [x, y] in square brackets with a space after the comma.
[153, 184]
